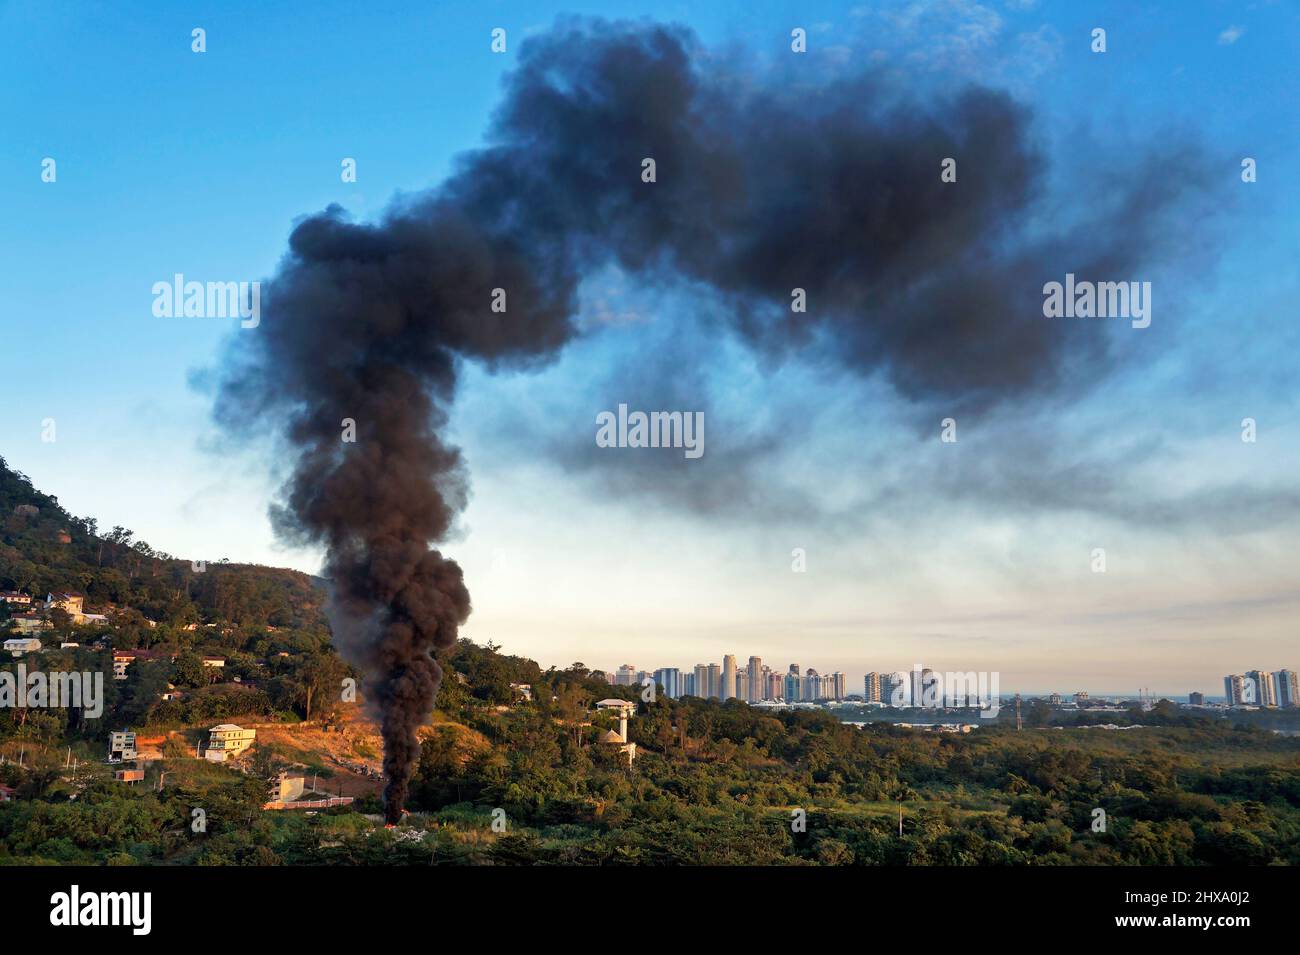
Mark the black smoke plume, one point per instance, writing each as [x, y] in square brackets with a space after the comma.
[758, 190]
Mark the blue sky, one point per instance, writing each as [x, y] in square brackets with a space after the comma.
[170, 161]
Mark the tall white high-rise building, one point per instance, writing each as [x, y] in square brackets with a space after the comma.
[812, 685]
[729, 677]
[756, 685]
[1288, 692]
[871, 687]
[715, 681]
[893, 688]
[1234, 689]
[775, 684]
[702, 680]
[926, 691]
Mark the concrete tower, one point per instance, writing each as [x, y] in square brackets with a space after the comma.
[729, 677]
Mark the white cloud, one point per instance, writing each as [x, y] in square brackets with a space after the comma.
[1231, 35]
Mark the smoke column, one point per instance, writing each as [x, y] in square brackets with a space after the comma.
[758, 190]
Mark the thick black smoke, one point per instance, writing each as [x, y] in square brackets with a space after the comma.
[758, 191]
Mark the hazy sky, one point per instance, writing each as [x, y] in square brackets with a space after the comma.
[973, 555]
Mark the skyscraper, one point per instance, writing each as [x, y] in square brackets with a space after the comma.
[1265, 693]
[715, 682]
[812, 685]
[688, 684]
[626, 675]
[729, 677]
[893, 689]
[756, 686]
[793, 685]
[871, 687]
[1288, 692]
[925, 690]
[1234, 689]
[839, 685]
[702, 680]
[670, 678]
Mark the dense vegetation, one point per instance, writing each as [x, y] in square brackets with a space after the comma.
[507, 780]
[720, 783]
[267, 623]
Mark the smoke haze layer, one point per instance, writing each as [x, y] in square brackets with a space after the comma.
[758, 191]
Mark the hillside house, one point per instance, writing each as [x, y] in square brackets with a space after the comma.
[287, 787]
[20, 645]
[71, 603]
[228, 740]
[30, 623]
[124, 658]
[16, 598]
[121, 746]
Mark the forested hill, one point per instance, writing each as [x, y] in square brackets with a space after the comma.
[45, 549]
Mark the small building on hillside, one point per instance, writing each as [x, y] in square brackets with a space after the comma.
[217, 662]
[124, 658]
[73, 603]
[31, 622]
[7, 794]
[20, 645]
[121, 746]
[228, 740]
[129, 775]
[287, 787]
[624, 709]
[16, 598]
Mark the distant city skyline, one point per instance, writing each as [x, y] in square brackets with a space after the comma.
[1279, 687]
